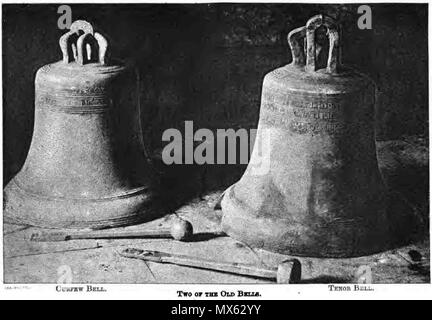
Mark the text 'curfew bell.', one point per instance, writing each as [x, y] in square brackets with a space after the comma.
[86, 166]
[312, 187]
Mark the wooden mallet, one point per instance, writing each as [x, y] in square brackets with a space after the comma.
[289, 271]
[180, 230]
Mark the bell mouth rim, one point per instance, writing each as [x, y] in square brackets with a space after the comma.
[131, 193]
[21, 208]
[238, 217]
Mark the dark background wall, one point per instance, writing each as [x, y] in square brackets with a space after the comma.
[206, 62]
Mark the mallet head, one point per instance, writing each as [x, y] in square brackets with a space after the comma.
[289, 271]
[181, 230]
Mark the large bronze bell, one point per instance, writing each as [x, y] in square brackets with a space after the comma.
[86, 166]
[322, 193]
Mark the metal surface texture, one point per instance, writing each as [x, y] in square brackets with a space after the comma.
[86, 166]
[323, 194]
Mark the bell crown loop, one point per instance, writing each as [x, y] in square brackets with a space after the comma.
[297, 37]
[80, 40]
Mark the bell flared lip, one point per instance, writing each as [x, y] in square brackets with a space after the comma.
[242, 223]
[22, 207]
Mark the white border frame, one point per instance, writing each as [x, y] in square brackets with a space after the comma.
[169, 291]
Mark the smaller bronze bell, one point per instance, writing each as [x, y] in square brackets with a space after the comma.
[86, 166]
